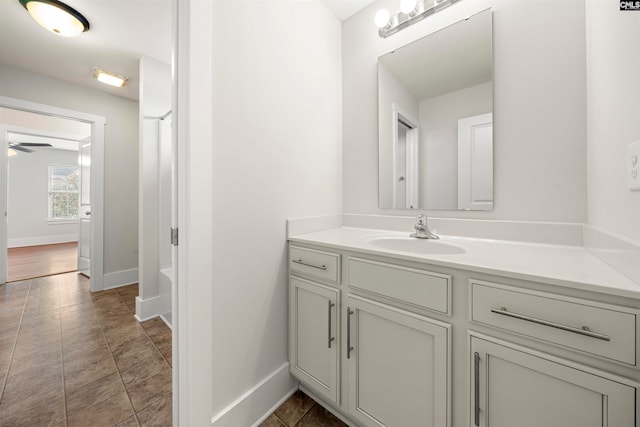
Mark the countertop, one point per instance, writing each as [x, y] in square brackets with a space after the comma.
[568, 266]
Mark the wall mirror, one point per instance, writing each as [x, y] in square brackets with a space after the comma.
[435, 120]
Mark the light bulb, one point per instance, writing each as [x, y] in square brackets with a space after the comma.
[382, 18]
[408, 6]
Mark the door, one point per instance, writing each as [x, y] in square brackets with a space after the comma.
[313, 345]
[475, 162]
[515, 387]
[398, 366]
[4, 175]
[84, 240]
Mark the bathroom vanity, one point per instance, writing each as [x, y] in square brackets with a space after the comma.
[389, 330]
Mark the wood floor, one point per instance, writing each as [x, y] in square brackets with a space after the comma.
[37, 261]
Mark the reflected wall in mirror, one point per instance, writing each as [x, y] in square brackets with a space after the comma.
[435, 120]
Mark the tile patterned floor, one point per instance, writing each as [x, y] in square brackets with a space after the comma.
[301, 411]
[72, 358]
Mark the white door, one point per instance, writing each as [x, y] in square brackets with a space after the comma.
[513, 387]
[84, 240]
[475, 162]
[398, 365]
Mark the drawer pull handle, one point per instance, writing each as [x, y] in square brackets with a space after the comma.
[329, 307]
[349, 347]
[581, 331]
[299, 261]
[476, 389]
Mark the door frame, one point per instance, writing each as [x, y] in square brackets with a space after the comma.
[97, 183]
[398, 113]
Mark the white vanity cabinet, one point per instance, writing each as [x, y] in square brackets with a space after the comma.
[313, 310]
[314, 321]
[389, 341]
[378, 363]
[397, 366]
[515, 386]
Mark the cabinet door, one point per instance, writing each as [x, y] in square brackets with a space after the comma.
[398, 366]
[515, 387]
[313, 342]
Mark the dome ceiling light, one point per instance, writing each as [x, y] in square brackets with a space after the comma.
[56, 17]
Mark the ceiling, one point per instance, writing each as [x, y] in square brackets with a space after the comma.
[121, 32]
[343, 9]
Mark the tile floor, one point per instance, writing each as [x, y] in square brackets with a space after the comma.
[72, 358]
[301, 411]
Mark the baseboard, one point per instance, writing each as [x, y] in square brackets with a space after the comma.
[20, 242]
[258, 402]
[147, 309]
[120, 278]
[276, 406]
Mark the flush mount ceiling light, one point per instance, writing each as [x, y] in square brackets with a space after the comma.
[110, 78]
[56, 17]
[411, 11]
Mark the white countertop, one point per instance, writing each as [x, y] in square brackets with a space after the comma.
[568, 266]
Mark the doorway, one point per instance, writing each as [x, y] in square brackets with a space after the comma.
[93, 234]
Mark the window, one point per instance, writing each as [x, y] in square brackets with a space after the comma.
[64, 181]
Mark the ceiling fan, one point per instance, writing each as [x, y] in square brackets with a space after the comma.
[23, 146]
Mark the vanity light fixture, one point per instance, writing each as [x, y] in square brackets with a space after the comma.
[11, 152]
[56, 17]
[110, 78]
[411, 11]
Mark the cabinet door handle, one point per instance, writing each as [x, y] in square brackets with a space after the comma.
[329, 307]
[476, 388]
[349, 348]
[299, 261]
[581, 331]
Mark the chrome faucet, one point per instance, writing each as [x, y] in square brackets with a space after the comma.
[422, 229]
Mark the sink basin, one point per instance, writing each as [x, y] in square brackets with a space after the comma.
[421, 246]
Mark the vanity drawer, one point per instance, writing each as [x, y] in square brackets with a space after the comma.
[421, 288]
[604, 330]
[311, 262]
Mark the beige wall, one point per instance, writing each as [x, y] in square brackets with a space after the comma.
[120, 154]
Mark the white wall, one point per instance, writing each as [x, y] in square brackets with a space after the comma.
[439, 142]
[28, 194]
[539, 107]
[121, 155]
[613, 93]
[277, 154]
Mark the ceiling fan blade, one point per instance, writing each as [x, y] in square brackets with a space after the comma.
[19, 148]
[33, 144]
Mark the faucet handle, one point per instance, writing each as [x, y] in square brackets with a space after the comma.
[421, 219]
